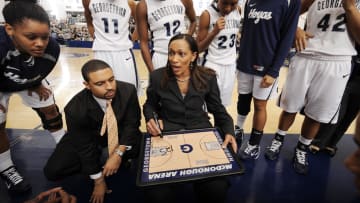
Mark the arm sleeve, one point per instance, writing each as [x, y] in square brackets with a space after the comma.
[287, 35]
[152, 102]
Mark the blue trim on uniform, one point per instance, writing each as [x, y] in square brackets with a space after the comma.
[135, 68]
[205, 54]
[214, 6]
[272, 89]
[338, 109]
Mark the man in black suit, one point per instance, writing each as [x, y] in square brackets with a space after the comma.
[82, 149]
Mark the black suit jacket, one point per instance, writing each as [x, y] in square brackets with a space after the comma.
[188, 112]
[84, 119]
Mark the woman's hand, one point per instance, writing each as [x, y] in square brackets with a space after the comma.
[230, 139]
[153, 129]
[43, 92]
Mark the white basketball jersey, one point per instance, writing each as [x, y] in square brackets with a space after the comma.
[326, 21]
[111, 24]
[166, 19]
[222, 49]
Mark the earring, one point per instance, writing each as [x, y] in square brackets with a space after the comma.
[192, 65]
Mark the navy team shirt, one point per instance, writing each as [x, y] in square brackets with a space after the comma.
[20, 71]
[267, 35]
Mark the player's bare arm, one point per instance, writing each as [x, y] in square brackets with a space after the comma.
[132, 5]
[352, 18]
[142, 27]
[190, 13]
[204, 37]
[305, 4]
[88, 18]
[302, 36]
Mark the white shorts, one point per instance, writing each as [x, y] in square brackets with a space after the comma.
[122, 63]
[248, 83]
[226, 75]
[315, 85]
[31, 101]
[159, 60]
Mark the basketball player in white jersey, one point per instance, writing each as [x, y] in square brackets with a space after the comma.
[108, 24]
[318, 73]
[219, 26]
[163, 19]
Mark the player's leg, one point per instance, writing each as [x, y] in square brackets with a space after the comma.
[48, 111]
[259, 120]
[322, 105]
[245, 86]
[8, 172]
[124, 66]
[109, 57]
[291, 100]
[226, 75]
[261, 96]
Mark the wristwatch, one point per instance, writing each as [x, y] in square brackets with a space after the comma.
[119, 152]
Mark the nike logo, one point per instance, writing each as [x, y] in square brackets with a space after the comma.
[344, 76]
[128, 58]
[252, 5]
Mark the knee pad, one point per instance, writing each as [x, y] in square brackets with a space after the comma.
[53, 123]
[243, 104]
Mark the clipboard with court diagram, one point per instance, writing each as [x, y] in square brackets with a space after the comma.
[184, 156]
